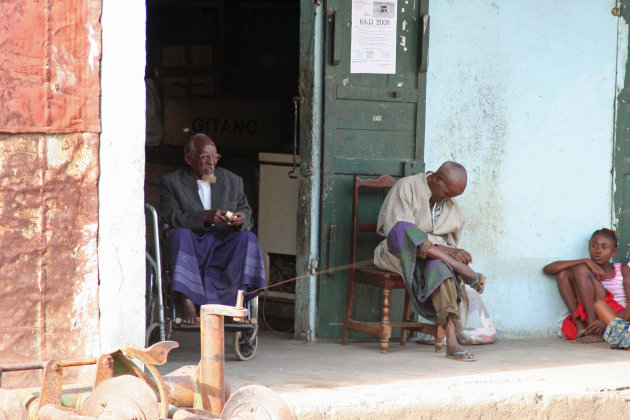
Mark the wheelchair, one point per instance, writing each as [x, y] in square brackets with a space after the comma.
[161, 316]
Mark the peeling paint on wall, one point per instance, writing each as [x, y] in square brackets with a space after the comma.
[49, 83]
[48, 231]
[49, 80]
[479, 140]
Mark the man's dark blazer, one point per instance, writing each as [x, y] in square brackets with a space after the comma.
[181, 207]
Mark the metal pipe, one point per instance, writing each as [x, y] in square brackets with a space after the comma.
[16, 367]
[158, 269]
[311, 133]
[179, 385]
[212, 361]
[50, 412]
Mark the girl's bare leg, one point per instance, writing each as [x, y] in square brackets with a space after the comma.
[589, 290]
[605, 312]
[569, 295]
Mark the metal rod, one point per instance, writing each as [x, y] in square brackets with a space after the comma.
[158, 269]
[212, 363]
[326, 271]
[15, 367]
[297, 100]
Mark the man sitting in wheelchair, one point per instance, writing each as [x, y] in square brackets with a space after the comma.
[212, 252]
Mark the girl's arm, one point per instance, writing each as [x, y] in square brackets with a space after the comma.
[558, 266]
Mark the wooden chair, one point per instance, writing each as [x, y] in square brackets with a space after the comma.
[385, 280]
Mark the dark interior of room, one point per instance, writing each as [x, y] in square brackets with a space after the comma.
[229, 69]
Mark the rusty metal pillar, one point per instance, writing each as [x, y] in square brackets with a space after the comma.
[211, 366]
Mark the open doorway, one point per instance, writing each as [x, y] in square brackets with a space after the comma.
[229, 68]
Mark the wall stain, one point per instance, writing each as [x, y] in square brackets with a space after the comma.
[477, 138]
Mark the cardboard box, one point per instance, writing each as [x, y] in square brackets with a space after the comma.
[201, 55]
[174, 86]
[174, 56]
[202, 86]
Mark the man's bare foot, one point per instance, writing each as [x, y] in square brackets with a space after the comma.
[190, 312]
[191, 320]
[453, 349]
[588, 339]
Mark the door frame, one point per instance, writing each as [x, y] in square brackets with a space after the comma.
[310, 90]
[621, 147]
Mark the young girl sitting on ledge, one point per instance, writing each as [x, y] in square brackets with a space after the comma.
[582, 282]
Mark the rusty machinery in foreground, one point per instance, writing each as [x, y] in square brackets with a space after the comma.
[122, 391]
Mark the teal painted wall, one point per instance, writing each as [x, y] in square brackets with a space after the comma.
[522, 92]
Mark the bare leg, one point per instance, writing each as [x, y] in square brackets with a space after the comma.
[452, 346]
[586, 287]
[190, 312]
[570, 297]
[605, 312]
[460, 268]
[589, 290]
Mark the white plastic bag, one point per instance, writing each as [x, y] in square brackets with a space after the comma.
[479, 328]
[473, 313]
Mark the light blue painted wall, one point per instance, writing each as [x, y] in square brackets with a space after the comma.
[522, 93]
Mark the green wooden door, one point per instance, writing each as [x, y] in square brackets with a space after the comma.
[622, 174]
[373, 124]
[622, 159]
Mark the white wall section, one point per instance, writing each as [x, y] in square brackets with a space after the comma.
[121, 193]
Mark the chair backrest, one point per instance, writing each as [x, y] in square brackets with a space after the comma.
[384, 181]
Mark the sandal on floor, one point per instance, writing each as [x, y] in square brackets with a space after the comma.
[461, 353]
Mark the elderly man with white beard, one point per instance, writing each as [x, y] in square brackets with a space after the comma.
[212, 252]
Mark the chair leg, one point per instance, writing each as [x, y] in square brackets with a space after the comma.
[405, 318]
[349, 305]
[386, 327]
[439, 338]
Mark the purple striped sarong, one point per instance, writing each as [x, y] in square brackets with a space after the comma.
[422, 277]
[209, 269]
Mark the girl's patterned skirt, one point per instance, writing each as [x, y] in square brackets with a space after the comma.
[617, 334]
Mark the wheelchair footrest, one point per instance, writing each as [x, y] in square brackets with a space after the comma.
[236, 326]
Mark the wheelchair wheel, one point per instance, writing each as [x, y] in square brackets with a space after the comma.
[245, 344]
[153, 333]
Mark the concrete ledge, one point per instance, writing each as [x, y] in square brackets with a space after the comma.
[592, 391]
[512, 379]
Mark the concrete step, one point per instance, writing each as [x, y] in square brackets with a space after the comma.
[512, 379]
